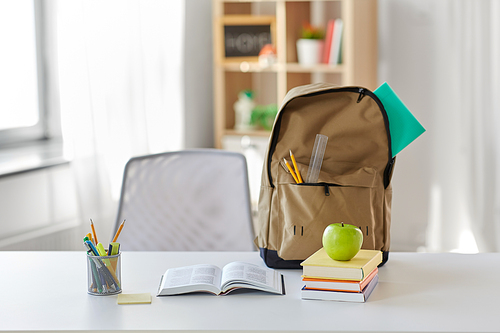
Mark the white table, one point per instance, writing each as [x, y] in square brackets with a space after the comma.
[46, 291]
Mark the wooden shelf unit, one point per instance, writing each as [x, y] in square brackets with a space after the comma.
[270, 84]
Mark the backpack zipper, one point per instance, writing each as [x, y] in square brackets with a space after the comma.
[327, 189]
[325, 185]
[362, 92]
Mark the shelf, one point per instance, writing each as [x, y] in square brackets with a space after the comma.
[254, 67]
[250, 67]
[234, 74]
[320, 68]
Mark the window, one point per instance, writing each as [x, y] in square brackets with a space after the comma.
[22, 112]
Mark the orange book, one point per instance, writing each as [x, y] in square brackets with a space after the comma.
[333, 295]
[312, 283]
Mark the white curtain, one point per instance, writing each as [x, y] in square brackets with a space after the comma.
[465, 184]
[121, 87]
[443, 59]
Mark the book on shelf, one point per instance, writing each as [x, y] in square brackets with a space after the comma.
[338, 285]
[335, 46]
[320, 265]
[212, 279]
[328, 41]
[331, 295]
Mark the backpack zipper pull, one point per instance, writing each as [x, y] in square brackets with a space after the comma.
[327, 190]
[361, 95]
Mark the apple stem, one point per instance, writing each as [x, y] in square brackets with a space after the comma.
[342, 224]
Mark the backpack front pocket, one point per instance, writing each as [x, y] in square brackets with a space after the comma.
[307, 209]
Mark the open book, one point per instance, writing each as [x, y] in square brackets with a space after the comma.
[212, 279]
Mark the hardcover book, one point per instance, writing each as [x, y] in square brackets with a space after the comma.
[328, 41]
[338, 285]
[335, 46]
[320, 265]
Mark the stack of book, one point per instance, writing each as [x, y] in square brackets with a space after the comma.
[349, 281]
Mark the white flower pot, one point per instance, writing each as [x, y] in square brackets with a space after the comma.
[309, 51]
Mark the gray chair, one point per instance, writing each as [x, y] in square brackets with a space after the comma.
[191, 200]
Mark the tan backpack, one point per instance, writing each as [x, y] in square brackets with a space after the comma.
[354, 182]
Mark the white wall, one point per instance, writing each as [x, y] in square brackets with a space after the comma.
[36, 205]
[198, 75]
[406, 51]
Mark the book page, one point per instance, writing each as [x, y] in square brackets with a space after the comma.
[244, 275]
[191, 278]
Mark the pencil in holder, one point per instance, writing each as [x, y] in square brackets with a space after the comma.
[104, 275]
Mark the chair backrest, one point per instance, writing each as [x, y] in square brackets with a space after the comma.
[191, 200]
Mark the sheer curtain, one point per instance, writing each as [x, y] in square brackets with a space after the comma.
[443, 59]
[121, 87]
[465, 190]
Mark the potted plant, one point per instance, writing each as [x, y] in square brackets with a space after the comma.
[310, 45]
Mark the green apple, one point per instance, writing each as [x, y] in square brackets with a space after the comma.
[342, 241]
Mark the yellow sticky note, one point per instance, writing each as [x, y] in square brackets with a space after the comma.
[134, 298]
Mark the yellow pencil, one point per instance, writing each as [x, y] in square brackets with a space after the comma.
[291, 170]
[118, 231]
[297, 172]
[93, 231]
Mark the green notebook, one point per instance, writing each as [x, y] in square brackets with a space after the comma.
[404, 127]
